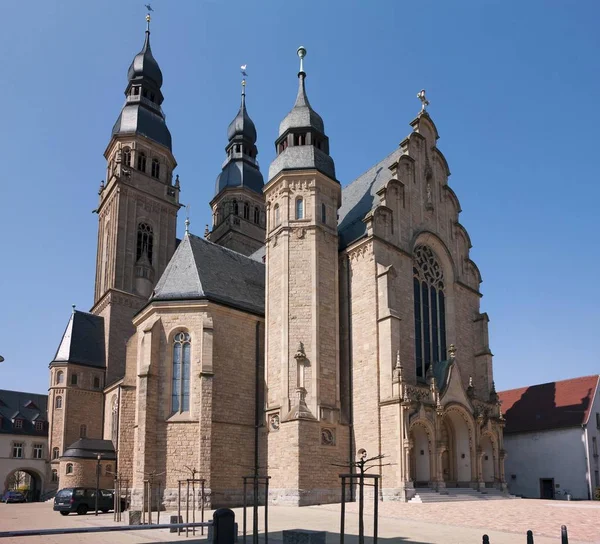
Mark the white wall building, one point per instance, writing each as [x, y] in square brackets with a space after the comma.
[24, 441]
[552, 438]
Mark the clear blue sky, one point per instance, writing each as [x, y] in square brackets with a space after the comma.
[514, 90]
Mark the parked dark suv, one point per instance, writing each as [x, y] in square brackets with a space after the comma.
[83, 500]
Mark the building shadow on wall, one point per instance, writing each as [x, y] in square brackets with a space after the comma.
[537, 409]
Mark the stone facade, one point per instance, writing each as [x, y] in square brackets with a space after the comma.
[371, 335]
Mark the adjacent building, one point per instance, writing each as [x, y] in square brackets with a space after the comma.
[24, 444]
[551, 439]
[314, 319]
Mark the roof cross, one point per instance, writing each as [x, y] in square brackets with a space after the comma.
[423, 99]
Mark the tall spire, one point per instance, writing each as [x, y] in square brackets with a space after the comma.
[142, 112]
[241, 168]
[302, 142]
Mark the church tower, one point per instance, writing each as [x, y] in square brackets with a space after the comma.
[138, 207]
[305, 431]
[238, 207]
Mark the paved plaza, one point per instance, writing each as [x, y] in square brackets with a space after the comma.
[506, 522]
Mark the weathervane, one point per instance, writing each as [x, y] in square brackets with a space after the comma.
[423, 99]
[301, 53]
[244, 76]
[187, 219]
[148, 18]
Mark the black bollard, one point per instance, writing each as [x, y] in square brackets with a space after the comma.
[223, 526]
[529, 537]
[486, 539]
[564, 537]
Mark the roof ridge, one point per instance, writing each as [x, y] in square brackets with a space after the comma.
[224, 248]
[370, 167]
[22, 392]
[552, 381]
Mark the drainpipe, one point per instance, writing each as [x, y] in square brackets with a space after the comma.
[587, 461]
[350, 396]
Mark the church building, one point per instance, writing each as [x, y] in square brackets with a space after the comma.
[314, 319]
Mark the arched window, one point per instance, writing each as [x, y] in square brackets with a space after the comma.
[108, 470]
[141, 162]
[256, 215]
[277, 215]
[54, 475]
[299, 208]
[73, 379]
[180, 397]
[82, 431]
[430, 310]
[323, 213]
[58, 402]
[126, 156]
[55, 453]
[235, 208]
[155, 168]
[114, 424]
[145, 241]
[69, 468]
[246, 210]
[60, 376]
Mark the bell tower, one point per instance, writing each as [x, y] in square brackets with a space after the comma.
[137, 211]
[239, 204]
[306, 434]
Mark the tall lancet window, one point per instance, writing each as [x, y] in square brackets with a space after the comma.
[180, 396]
[299, 208]
[430, 310]
[145, 241]
[114, 423]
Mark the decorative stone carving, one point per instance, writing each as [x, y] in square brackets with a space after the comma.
[327, 437]
[274, 422]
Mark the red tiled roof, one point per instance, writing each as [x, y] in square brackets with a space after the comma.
[547, 406]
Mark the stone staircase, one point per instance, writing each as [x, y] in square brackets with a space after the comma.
[459, 494]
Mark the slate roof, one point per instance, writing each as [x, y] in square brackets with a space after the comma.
[89, 448]
[359, 196]
[202, 270]
[547, 406]
[31, 407]
[83, 341]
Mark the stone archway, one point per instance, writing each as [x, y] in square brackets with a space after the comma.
[27, 480]
[420, 468]
[488, 460]
[459, 471]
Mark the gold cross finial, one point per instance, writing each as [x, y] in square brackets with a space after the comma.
[424, 102]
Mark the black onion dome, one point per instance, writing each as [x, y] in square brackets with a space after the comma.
[242, 125]
[144, 65]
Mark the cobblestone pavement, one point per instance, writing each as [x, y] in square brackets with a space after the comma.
[582, 518]
[444, 523]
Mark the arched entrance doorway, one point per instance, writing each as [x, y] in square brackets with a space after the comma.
[487, 460]
[420, 468]
[456, 460]
[25, 480]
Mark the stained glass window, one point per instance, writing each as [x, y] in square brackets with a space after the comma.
[429, 308]
[180, 396]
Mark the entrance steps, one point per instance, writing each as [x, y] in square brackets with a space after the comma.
[459, 494]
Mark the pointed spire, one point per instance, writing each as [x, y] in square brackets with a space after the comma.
[142, 112]
[240, 168]
[302, 142]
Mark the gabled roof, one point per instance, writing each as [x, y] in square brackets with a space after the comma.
[83, 341]
[200, 269]
[359, 197]
[30, 407]
[552, 405]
